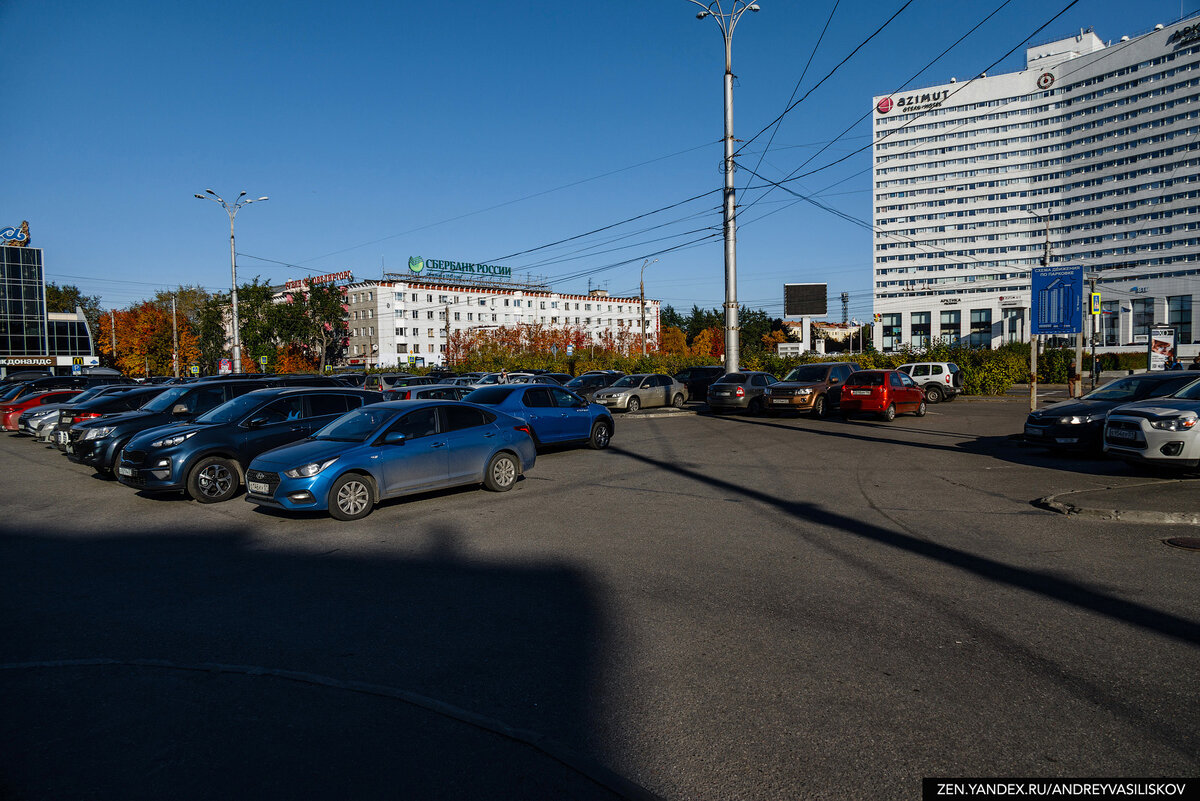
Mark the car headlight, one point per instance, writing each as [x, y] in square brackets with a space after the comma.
[309, 470]
[1174, 423]
[804, 391]
[98, 433]
[167, 442]
[1081, 419]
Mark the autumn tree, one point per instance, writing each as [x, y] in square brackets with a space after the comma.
[674, 341]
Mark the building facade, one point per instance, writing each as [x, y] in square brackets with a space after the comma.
[409, 321]
[1090, 155]
[29, 335]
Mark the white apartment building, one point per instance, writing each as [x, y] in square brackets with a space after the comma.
[405, 322]
[1092, 152]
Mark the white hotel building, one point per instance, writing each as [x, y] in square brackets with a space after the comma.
[1097, 143]
[407, 322]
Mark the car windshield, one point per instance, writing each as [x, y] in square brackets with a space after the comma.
[1123, 389]
[628, 381]
[583, 381]
[231, 411]
[86, 395]
[1190, 392]
[732, 378]
[356, 426]
[11, 392]
[489, 396]
[809, 372]
[168, 399]
[864, 379]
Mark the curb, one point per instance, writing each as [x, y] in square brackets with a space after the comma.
[647, 414]
[1052, 503]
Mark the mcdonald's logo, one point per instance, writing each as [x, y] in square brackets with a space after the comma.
[77, 360]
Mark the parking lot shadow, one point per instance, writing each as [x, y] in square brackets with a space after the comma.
[203, 665]
[1005, 447]
[1044, 584]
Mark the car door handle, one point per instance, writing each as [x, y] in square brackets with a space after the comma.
[489, 435]
[438, 445]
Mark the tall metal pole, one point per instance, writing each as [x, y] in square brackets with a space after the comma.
[727, 21]
[174, 338]
[237, 339]
[232, 212]
[642, 297]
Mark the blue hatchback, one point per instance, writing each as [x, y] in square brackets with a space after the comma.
[390, 449]
[554, 414]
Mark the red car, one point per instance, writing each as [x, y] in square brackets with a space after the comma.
[10, 413]
[884, 392]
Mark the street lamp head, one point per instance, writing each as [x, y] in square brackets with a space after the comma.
[753, 7]
[202, 197]
[702, 14]
[264, 197]
[209, 191]
[243, 194]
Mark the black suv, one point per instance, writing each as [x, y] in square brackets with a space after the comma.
[99, 443]
[106, 405]
[699, 379]
[207, 458]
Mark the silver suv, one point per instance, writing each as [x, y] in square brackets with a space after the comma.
[940, 380]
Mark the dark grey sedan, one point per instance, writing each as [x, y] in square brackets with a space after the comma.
[743, 391]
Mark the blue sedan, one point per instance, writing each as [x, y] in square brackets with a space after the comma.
[554, 415]
[390, 449]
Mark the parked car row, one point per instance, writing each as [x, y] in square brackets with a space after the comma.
[1146, 418]
[312, 448]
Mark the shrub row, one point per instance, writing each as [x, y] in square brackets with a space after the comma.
[985, 372]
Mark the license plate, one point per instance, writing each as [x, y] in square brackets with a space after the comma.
[780, 400]
[860, 392]
[258, 487]
[1121, 433]
[125, 471]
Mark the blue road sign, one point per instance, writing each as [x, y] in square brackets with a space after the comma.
[1057, 295]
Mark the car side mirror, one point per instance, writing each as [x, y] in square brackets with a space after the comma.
[256, 422]
[180, 409]
[833, 381]
[394, 438]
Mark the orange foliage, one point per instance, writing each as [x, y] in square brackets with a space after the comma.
[144, 341]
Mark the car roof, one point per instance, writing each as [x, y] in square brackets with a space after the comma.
[275, 391]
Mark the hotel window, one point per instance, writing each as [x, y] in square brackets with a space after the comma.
[921, 327]
[951, 326]
[1179, 317]
[981, 328]
[402, 347]
[1110, 322]
[891, 331]
[430, 332]
[1143, 318]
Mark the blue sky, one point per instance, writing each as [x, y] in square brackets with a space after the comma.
[468, 132]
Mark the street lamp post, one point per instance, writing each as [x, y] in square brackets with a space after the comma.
[232, 212]
[727, 21]
[642, 290]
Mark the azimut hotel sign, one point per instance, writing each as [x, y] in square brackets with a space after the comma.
[923, 101]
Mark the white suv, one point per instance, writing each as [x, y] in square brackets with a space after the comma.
[940, 380]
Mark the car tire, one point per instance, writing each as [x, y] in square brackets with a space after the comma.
[921, 409]
[677, 401]
[633, 405]
[501, 473]
[601, 435]
[352, 497]
[889, 413]
[213, 480]
[820, 409]
[933, 393]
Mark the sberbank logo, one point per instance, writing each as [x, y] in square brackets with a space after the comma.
[416, 264]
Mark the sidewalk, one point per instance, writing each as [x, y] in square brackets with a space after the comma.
[1169, 501]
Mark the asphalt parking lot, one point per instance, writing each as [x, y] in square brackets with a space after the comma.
[713, 608]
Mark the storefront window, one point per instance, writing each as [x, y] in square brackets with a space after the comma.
[921, 329]
[891, 331]
[1179, 317]
[951, 326]
[981, 328]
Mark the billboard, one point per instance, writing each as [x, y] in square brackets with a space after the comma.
[1057, 295]
[805, 300]
[1161, 345]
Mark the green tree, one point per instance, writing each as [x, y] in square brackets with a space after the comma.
[210, 332]
[258, 318]
[314, 318]
[189, 300]
[669, 318]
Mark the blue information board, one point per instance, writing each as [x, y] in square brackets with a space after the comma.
[1057, 296]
